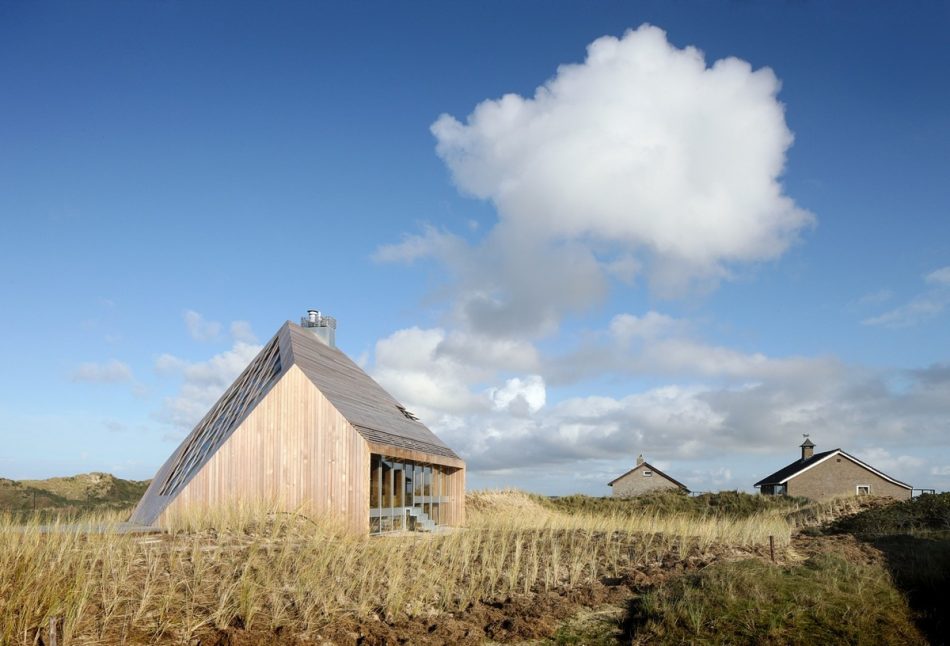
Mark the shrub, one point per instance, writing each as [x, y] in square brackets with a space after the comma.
[824, 600]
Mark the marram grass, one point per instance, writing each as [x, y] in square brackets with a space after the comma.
[268, 570]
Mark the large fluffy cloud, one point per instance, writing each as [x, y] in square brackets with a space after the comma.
[642, 145]
[642, 160]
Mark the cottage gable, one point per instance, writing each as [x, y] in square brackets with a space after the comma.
[829, 474]
[641, 479]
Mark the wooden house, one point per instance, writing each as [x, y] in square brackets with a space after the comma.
[641, 479]
[830, 474]
[305, 428]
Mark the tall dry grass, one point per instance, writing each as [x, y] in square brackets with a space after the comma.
[265, 570]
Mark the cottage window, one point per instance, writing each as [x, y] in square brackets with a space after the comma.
[404, 494]
[864, 490]
[647, 474]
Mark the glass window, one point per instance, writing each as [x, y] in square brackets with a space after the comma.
[406, 494]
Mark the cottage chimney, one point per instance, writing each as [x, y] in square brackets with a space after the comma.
[322, 327]
[639, 459]
[808, 449]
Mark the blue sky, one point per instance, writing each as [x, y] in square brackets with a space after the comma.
[637, 259]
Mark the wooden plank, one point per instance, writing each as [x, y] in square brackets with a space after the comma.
[295, 450]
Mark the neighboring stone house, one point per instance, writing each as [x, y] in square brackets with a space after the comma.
[829, 474]
[641, 479]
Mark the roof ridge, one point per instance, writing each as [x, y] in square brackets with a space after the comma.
[357, 396]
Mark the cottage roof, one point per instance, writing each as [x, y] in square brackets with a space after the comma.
[375, 414]
[797, 467]
[647, 465]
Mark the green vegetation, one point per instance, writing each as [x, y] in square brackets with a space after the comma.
[70, 496]
[924, 514]
[526, 568]
[598, 627]
[826, 600]
[725, 504]
[914, 537]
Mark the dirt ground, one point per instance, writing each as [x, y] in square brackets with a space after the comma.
[535, 618]
[514, 620]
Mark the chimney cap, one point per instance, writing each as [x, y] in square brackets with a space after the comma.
[807, 443]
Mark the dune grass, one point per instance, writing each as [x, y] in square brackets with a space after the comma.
[269, 571]
[825, 600]
[724, 504]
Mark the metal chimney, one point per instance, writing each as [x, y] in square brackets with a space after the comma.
[322, 327]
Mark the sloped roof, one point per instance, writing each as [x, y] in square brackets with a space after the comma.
[375, 414]
[654, 470]
[785, 474]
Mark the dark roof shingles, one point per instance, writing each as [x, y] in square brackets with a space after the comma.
[787, 472]
[374, 413]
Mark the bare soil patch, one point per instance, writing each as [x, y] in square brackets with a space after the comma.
[513, 619]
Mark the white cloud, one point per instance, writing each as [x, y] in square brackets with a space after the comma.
[876, 298]
[719, 477]
[520, 397]
[640, 160]
[446, 378]
[939, 276]
[897, 466]
[642, 146]
[649, 326]
[241, 331]
[657, 344]
[110, 372]
[430, 243]
[920, 308]
[199, 328]
[409, 365]
[203, 382]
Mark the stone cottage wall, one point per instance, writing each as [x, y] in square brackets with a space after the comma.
[840, 476]
[635, 483]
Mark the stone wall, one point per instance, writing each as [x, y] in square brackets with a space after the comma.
[636, 483]
[840, 476]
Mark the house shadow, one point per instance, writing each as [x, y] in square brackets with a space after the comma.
[920, 567]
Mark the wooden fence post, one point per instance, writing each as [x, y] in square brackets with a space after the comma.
[772, 547]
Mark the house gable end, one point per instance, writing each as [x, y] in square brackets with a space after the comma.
[856, 461]
[649, 467]
[225, 416]
[294, 450]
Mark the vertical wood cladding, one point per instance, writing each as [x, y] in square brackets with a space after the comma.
[294, 449]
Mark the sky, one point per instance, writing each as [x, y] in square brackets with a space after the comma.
[563, 234]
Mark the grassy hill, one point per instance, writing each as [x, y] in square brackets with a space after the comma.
[81, 492]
